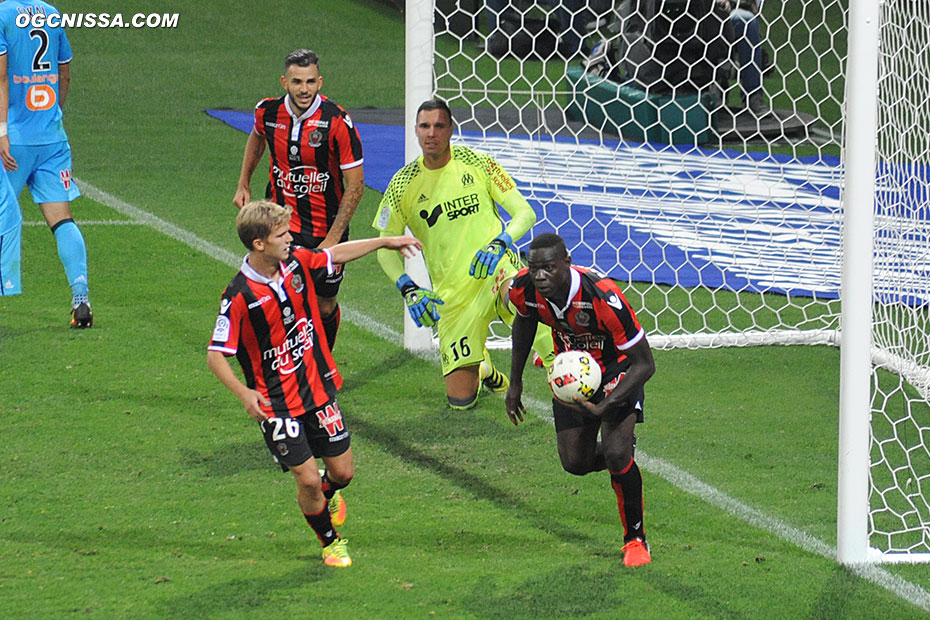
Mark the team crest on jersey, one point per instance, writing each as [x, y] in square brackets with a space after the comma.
[467, 180]
[298, 283]
[315, 138]
[282, 449]
[66, 178]
[582, 318]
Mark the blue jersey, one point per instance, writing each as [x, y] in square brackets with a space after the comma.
[32, 59]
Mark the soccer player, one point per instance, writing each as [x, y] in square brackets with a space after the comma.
[447, 197]
[36, 73]
[270, 320]
[315, 167]
[587, 311]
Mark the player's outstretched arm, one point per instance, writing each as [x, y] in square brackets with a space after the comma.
[254, 149]
[250, 399]
[351, 250]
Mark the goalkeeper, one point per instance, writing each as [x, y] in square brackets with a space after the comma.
[447, 198]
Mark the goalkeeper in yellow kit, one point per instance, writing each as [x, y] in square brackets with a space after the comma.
[448, 198]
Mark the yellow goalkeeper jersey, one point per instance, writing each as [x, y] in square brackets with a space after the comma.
[452, 211]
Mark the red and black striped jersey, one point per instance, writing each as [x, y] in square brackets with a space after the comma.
[274, 330]
[308, 154]
[596, 318]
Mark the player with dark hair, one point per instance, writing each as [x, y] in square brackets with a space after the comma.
[315, 167]
[448, 198]
[587, 311]
[35, 74]
[270, 320]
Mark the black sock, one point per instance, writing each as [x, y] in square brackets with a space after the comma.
[322, 525]
[628, 485]
[330, 487]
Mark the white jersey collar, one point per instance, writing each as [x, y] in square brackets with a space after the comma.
[572, 291]
[310, 111]
[276, 285]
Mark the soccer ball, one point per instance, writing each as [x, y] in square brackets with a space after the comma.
[574, 373]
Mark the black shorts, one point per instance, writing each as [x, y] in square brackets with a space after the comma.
[294, 441]
[329, 286]
[566, 418]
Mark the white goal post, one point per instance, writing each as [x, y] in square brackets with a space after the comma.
[733, 214]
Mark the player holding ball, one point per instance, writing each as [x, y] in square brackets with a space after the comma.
[587, 311]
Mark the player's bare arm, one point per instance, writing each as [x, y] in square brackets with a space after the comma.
[642, 367]
[64, 83]
[354, 187]
[254, 149]
[351, 250]
[524, 330]
[251, 399]
[9, 163]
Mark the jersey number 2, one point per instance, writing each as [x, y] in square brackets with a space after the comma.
[38, 61]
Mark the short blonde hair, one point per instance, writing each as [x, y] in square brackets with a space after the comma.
[257, 219]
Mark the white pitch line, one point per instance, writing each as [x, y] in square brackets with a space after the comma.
[685, 481]
[94, 223]
[167, 228]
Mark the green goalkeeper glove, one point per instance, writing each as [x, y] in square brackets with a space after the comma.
[421, 303]
[485, 261]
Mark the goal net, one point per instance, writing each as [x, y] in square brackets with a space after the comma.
[696, 156]
[900, 460]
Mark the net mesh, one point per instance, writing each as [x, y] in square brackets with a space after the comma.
[724, 225]
[900, 464]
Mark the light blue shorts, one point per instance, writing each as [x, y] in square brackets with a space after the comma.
[46, 169]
